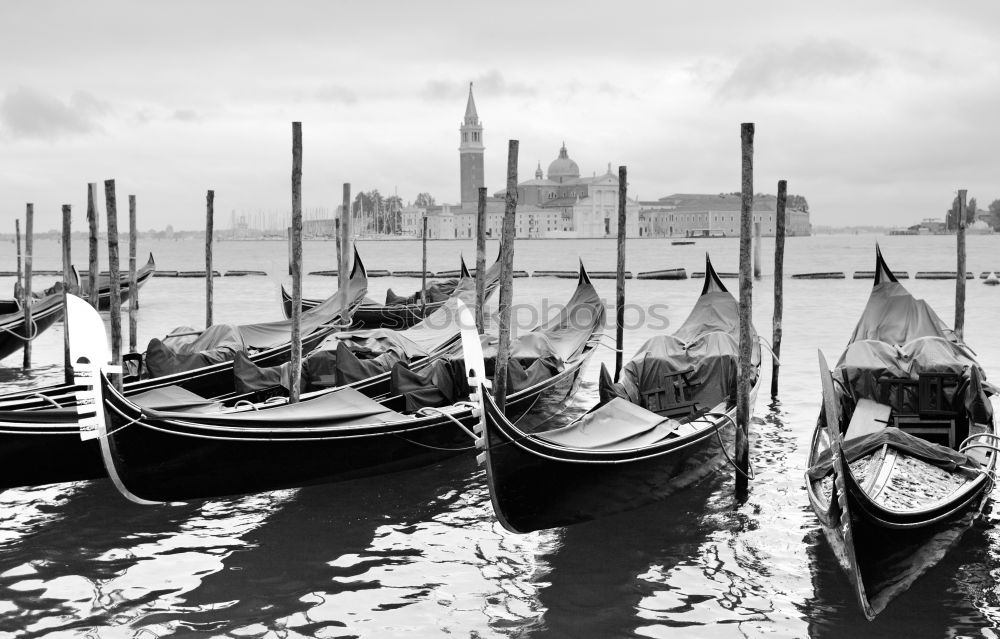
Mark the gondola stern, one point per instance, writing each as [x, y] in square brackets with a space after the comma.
[882, 271]
[584, 277]
[713, 284]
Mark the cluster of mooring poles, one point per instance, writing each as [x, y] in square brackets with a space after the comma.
[23, 288]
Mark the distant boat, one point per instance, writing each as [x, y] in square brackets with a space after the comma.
[682, 242]
[991, 279]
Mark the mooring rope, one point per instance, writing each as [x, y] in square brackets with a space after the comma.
[725, 452]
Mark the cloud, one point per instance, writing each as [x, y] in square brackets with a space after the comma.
[491, 83]
[776, 67]
[185, 115]
[335, 93]
[27, 113]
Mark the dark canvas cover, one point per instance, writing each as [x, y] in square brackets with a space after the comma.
[343, 407]
[221, 342]
[901, 336]
[705, 349]
[894, 316]
[185, 349]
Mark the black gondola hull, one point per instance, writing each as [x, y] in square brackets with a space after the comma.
[13, 333]
[163, 461]
[535, 486]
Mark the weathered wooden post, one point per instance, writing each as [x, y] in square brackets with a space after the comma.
[114, 277]
[960, 275]
[506, 277]
[336, 241]
[133, 286]
[756, 251]
[67, 264]
[295, 237]
[92, 270]
[745, 316]
[209, 230]
[481, 261]
[344, 268]
[19, 292]
[779, 274]
[620, 276]
[29, 324]
[423, 270]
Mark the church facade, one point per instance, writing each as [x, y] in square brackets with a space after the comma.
[561, 204]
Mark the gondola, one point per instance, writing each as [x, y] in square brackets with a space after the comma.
[397, 312]
[39, 434]
[142, 275]
[904, 450]
[163, 456]
[669, 423]
[14, 329]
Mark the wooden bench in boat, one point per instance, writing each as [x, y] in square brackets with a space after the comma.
[920, 406]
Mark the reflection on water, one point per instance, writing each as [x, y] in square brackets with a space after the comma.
[419, 553]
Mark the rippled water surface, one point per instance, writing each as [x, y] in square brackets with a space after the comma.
[419, 554]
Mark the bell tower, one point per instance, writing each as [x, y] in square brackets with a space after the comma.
[470, 152]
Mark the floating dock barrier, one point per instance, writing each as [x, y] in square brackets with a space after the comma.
[160, 273]
[244, 273]
[664, 274]
[722, 275]
[196, 274]
[832, 275]
[870, 275]
[940, 275]
[413, 274]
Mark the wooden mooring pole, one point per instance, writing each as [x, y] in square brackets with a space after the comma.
[506, 276]
[960, 275]
[67, 264]
[756, 251]
[620, 276]
[19, 288]
[337, 242]
[745, 315]
[133, 287]
[423, 269]
[209, 230]
[779, 274]
[29, 324]
[295, 237]
[346, 254]
[114, 277]
[92, 270]
[481, 261]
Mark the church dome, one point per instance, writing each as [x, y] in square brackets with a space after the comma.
[563, 168]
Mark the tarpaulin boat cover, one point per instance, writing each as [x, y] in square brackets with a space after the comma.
[901, 336]
[854, 449]
[865, 361]
[705, 348]
[221, 342]
[186, 349]
[436, 292]
[534, 356]
[340, 408]
[616, 425]
[894, 316]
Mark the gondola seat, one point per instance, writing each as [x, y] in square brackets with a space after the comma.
[670, 398]
[868, 417]
[921, 406]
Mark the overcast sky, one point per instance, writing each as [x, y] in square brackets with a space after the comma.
[876, 112]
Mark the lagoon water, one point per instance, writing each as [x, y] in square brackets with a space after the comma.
[419, 554]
